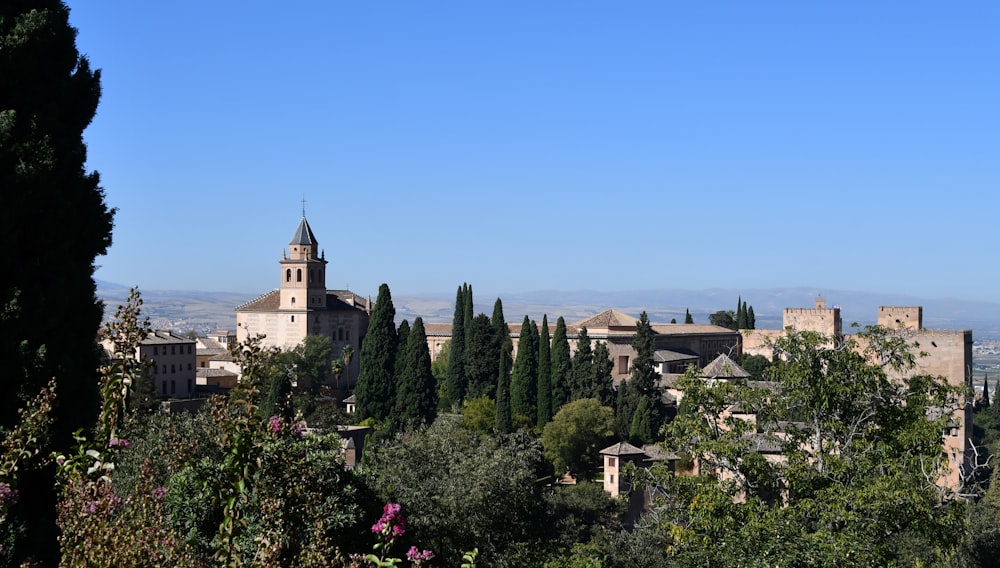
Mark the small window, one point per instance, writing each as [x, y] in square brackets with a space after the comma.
[623, 364]
[173, 369]
[340, 334]
[298, 275]
[156, 350]
[288, 275]
[189, 385]
[293, 300]
[173, 387]
[612, 478]
[173, 350]
[189, 349]
[293, 319]
[189, 366]
[164, 369]
[611, 462]
[164, 388]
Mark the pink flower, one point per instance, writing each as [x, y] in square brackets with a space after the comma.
[274, 424]
[159, 493]
[416, 555]
[119, 442]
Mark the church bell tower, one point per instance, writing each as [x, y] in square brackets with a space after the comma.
[303, 271]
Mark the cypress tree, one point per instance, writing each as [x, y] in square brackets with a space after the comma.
[643, 374]
[741, 314]
[543, 400]
[751, 319]
[504, 423]
[481, 358]
[561, 367]
[501, 333]
[402, 357]
[469, 314]
[416, 399]
[376, 389]
[986, 391]
[55, 223]
[603, 384]
[456, 382]
[524, 382]
[641, 430]
[642, 381]
[581, 385]
[687, 316]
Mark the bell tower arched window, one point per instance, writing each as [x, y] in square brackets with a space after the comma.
[298, 275]
[288, 275]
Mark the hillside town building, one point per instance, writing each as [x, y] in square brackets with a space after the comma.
[171, 359]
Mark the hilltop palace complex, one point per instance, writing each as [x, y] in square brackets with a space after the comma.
[302, 305]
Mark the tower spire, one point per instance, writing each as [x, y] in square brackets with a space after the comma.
[303, 206]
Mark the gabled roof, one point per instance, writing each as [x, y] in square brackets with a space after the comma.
[303, 234]
[724, 368]
[607, 319]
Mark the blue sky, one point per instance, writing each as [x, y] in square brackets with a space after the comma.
[526, 146]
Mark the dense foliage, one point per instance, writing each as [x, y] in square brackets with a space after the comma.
[54, 223]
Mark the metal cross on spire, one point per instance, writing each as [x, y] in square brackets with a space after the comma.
[303, 205]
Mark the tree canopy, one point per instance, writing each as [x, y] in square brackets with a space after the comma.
[860, 457]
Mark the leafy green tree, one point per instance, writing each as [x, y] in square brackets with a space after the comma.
[311, 358]
[376, 389]
[480, 414]
[861, 443]
[481, 358]
[576, 434]
[543, 399]
[416, 399]
[524, 382]
[461, 489]
[562, 367]
[756, 365]
[687, 316]
[723, 318]
[54, 223]
[457, 383]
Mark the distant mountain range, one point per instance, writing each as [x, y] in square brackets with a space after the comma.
[186, 310]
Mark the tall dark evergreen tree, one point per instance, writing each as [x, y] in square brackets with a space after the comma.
[687, 316]
[416, 399]
[641, 429]
[603, 384]
[505, 424]
[986, 392]
[376, 388]
[751, 319]
[469, 314]
[456, 383]
[54, 223]
[501, 333]
[642, 382]
[741, 314]
[581, 385]
[481, 358]
[561, 372]
[402, 357]
[524, 382]
[543, 401]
